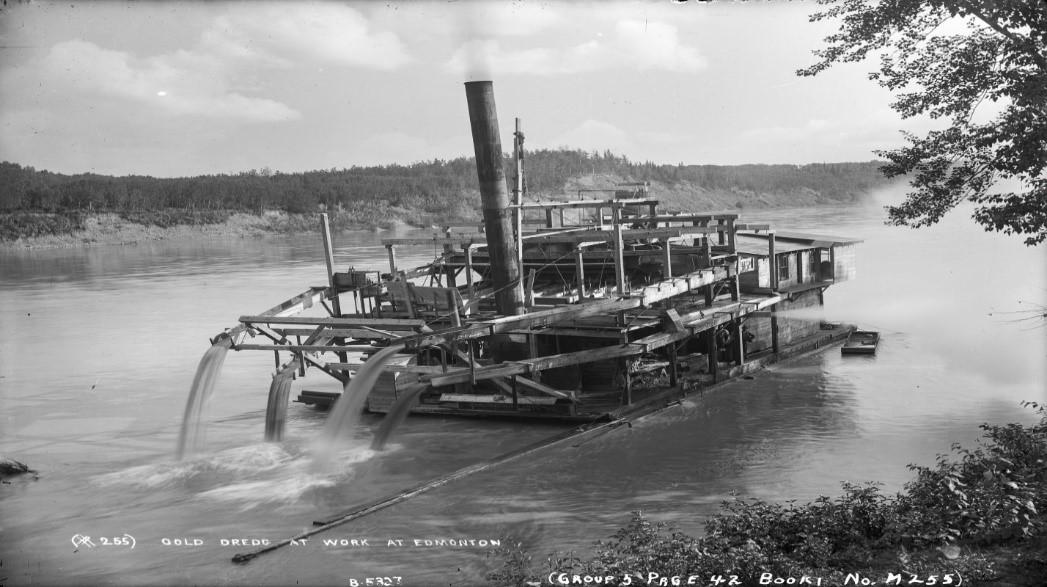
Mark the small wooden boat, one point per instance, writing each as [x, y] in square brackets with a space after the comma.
[861, 342]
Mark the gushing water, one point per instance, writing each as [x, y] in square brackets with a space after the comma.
[345, 413]
[276, 412]
[397, 414]
[191, 434]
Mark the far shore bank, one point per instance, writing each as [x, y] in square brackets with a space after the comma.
[109, 228]
[84, 229]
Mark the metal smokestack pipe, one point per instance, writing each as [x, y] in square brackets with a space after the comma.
[494, 195]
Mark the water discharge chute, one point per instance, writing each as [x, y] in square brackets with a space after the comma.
[191, 435]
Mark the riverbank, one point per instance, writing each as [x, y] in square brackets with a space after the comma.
[44, 231]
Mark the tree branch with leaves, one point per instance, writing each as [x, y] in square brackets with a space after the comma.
[981, 67]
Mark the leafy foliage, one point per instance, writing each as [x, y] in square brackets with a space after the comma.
[992, 495]
[997, 63]
[34, 224]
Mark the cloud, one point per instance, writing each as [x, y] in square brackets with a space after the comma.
[853, 138]
[179, 83]
[279, 34]
[593, 135]
[514, 19]
[635, 44]
[812, 127]
[656, 45]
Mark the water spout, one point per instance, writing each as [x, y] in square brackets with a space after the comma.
[276, 410]
[397, 414]
[345, 413]
[191, 436]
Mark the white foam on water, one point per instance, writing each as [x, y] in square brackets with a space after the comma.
[287, 483]
[243, 460]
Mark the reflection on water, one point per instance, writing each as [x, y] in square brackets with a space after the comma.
[100, 346]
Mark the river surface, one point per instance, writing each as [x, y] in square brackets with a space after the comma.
[100, 345]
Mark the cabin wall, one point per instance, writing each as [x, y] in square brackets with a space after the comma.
[807, 265]
[760, 327]
[811, 269]
[791, 328]
[759, 276]
[748, 272]
[845, 267]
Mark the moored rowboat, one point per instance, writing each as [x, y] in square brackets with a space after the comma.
[861, 342]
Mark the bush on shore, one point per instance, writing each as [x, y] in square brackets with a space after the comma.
[983, 511]
[15, 225]
[168, 217]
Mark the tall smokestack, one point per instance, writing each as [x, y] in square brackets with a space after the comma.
[483, 117]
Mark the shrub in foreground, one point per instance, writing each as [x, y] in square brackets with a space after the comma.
[990, 498]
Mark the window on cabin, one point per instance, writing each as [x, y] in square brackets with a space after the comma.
[783, 267]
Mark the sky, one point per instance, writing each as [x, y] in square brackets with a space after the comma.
[190, 88]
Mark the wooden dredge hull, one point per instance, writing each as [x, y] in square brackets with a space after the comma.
[616, 316]
[582, 309]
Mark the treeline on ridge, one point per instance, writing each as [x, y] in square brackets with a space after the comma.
[424, 192]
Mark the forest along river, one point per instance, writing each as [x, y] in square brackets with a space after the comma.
[100, 346]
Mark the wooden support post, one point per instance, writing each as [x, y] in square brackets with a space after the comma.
[673, 365]
[712, 352]
[773, 260]
[579, 270]
[392, 259]
[529, 289]
[516, 395]
[518, 190]
[301, 358]
[736, 289]
[561, 218]
[721, 229]
[325, 229]
[730, 235]
[548, 217]
[667, 272]
[452, 304]
[738, 352]
[707, 251]
[619, 252]
[472, 362]
[774, 329]
[627, 393]
[408, 299]
[532, 350]
[832, 264]
[709, 297]
[469, 272]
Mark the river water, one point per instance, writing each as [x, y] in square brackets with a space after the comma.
[100, 346]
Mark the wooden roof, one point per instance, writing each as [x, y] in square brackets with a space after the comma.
[788, 241]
